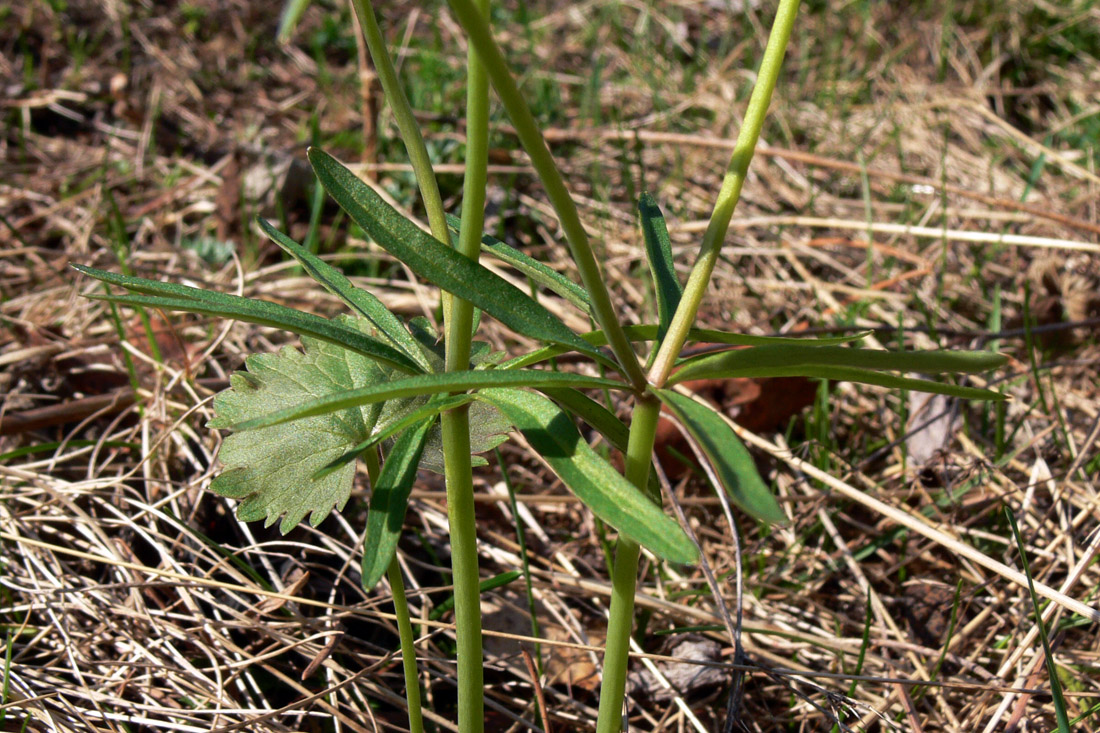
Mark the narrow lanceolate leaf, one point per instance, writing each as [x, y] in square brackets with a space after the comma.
[612, 498]
[726, 454]
[538, 272]
[733, 363]
[359, 300]
[389, 498]
[658, 249]
[428, 384]
[438, 263]
[648, 332]
[272, 470]
[172, 297]
[603, 420]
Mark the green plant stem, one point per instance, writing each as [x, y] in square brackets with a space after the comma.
[458, 470]
[458, 473]
[624, 576]
[481, 40]
[404, 623]
[408, 646]
[406, 122]
[473, 198]
[728, 196]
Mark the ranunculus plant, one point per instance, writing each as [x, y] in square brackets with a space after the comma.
[401, 397]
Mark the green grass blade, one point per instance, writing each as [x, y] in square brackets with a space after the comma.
[1052, 669]
[288, 21]
[389, 498]
[731, 461]
[433, 408]
[425, 384]
[716, 366]
[438, 263]
[551, 433]
[263, 313]
[488, 584]
[538, 272]
[658, 249]
[359, 300]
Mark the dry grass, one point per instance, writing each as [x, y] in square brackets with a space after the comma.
[925, 173]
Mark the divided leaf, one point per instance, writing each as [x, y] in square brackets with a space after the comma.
[172, 297]
[726, 454]
[612, 498]
[365, 303]
[757, 361]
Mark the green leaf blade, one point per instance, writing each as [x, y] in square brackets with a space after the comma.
[359, 300]
[761, 358]
[438, 263]
[538, 272]
[727, 455]
[389, 499]
[272, 470]
[551, 433]
[428, 384]
[171, 297]
[658, 249]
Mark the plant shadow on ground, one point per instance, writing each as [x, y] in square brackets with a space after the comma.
[130, 136]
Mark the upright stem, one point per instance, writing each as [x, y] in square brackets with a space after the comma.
[458, 471]
[406, 123]
[481, 39]
[404, 623]
[728, 196]
[624, 577]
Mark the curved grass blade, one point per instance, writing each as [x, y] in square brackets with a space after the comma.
[433, 408]
[496, 581]
[170, 296]
[538, 272]
[717, 366]
[551, 433]
[438, 263]
[389, 498]
[658, 249]
[726, 454]
[428, 384]
[359, 300]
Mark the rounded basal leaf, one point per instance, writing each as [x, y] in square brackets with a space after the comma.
[272, 469]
